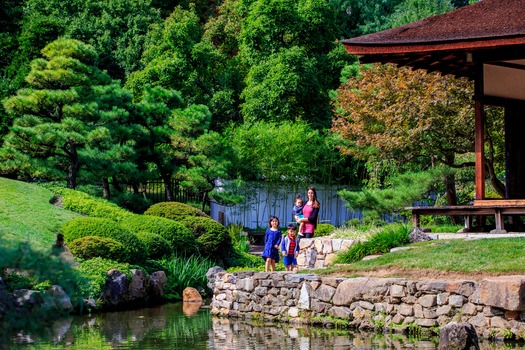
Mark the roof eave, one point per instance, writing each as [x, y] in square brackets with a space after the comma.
[376, 48]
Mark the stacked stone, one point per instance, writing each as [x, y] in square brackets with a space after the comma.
[320, 252]
[494, 306]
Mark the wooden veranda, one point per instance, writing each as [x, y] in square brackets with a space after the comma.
[484, 42]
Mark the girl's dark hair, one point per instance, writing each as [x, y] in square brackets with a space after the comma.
[270, 221]
[315, 203]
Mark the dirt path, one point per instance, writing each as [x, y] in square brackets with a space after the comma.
[415, 274]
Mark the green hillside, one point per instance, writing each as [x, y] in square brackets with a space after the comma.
[26, 214]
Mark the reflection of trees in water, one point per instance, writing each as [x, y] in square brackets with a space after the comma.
[158, 328]
[167, 327]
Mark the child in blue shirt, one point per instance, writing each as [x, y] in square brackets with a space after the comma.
[272, 239]
[290, 248]
[297, 210]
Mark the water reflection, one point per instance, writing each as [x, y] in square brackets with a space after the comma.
[179, 326]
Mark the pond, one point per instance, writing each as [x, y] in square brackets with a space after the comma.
[177, 326]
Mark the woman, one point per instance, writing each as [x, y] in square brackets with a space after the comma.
[310, 212]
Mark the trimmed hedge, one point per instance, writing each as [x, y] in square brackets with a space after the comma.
[213, 238]
[89, 247]
[180, 238]
[83, 203]
[157, 246]
[174, 210]
[92, 226]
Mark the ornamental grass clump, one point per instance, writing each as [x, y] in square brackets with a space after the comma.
[386, 238]
[182, 272]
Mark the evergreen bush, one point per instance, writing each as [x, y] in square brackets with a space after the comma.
[157, 246]
[83, 203]
[132, 202]
[180, 238]
[89, 247]
[324, 229]
[174, 210]
[93, 226]
[213, 238]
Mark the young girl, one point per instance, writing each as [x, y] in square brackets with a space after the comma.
[272, 239]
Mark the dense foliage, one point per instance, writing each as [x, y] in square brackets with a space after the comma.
[381, 242]
[89, 247]
[133, 248]
[173, 210]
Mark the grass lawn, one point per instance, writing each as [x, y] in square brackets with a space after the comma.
[490, 256]
[27, 215]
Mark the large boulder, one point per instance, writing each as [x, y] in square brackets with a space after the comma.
[190, 294]
[120, 292]
[458, 336]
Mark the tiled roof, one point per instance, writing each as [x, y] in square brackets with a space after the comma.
[489, 31]
[487, 19]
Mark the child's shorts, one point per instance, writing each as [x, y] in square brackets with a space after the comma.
[289, 260]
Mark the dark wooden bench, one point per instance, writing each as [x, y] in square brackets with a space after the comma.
[497, 208]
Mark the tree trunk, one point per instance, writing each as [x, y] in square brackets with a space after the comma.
[106, 193]
[116, 184]
[499, 187]
[167, 188]
[73, 165]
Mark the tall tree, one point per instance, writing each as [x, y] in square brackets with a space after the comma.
[406, 116]
[294, 58]
[110, 152]
[179, 142]
[176, 58]
[57, 114]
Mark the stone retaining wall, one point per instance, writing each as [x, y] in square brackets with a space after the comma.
[494, 306]
[320, 252]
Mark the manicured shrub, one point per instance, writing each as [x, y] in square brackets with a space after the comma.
[174, 210]
[132, 202]
[389, 237]
[88, 226]
[213, 238]
[89, 247]
[83, 203]
[180, 238]
[324, 229]
[157, 246]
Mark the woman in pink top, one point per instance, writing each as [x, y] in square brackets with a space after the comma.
[310, 212]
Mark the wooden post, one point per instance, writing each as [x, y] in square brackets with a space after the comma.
[415, 218]
[480, 150]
